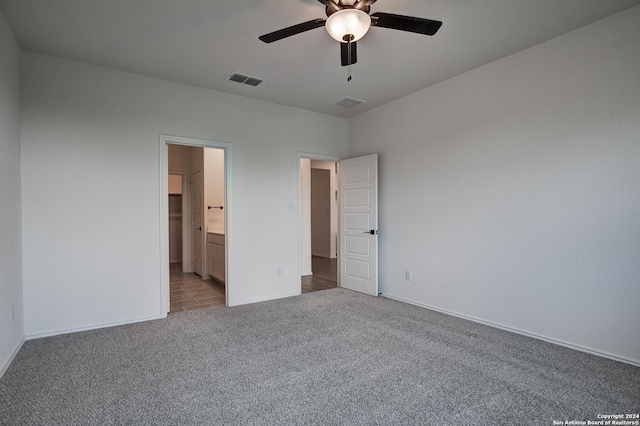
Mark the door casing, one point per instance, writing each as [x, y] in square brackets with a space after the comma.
[309, 156]
[164, 141]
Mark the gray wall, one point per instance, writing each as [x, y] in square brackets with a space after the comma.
[513, 191]
[11, 331]
[90, 145]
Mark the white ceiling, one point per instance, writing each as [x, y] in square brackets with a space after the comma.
[202, 42]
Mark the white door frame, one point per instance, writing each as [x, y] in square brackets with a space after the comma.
[165, 140]
[309, 156]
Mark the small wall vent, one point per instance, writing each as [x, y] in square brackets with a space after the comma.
[245, 79]
[347, 103]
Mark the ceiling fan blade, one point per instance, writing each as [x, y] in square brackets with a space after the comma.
[292, 30]
[406, 23]
[344, 53]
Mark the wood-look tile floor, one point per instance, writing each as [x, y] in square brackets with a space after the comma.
[189, 291]
[325, 275]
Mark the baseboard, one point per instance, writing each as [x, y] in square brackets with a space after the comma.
[518, 331]
[90, 327]
[7, 363]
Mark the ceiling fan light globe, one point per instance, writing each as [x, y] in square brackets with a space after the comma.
[345, 22]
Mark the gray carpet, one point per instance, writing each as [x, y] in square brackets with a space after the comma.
[330, 357]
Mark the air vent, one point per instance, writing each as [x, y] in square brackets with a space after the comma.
[239, 78]
[347, 103]
[251, 81]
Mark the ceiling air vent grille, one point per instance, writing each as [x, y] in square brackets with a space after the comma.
[347, 103]
[245, 79]
[251, 81]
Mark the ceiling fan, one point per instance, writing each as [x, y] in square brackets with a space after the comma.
[349, 20]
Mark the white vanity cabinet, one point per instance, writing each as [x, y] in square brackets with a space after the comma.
[215, 246]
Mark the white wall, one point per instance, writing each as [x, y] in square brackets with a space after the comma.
[11, 331]
[91, 188]
[513, 191]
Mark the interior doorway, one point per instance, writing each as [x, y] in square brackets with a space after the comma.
[195, 217]
[202, 283]
[319, 179]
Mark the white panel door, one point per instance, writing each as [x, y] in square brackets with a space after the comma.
[197, 222]
[359, 224]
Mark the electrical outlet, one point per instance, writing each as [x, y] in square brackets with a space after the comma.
[279, 272]
[407, 275]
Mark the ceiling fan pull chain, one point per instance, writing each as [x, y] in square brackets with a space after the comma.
[349, 67]
[349, 58]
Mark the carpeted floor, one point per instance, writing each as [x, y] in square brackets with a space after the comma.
[329, 357]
